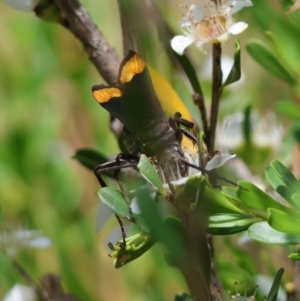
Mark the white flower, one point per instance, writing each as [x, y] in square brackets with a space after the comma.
[24, 5]
[13, 239]
[20, 292]
[217, 161]
[265, 130]
[210, 21]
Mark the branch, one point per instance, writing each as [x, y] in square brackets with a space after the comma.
[76, 19]
[216, 94]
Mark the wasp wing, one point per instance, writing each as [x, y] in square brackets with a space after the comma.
[133, 101]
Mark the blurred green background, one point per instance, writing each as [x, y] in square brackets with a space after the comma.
[47, 112]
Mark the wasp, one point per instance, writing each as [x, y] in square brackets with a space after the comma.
[147, 130]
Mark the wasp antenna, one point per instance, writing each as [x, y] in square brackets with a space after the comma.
[194, 166]
[231, 182]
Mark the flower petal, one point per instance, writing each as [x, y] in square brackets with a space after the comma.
[237, 28]
[179, 43]
[224, 38]
[218, 161]
[20, 292]
[237, 5]
[200, 46]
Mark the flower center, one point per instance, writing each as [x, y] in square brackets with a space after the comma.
[212, 27]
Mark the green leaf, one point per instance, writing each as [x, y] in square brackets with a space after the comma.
[295, 256]
[287, 177]
[217, 200]
[150, 174]
[283, 181]
[284, 222]
[89, 158]
[277, 183]
[230, 223]
[286, 46]
[257, 199]
[263, 232]
[235, 72]
[288, 108]
[115, 201]
[198, 191]
[272, 296]
[190, 72]
[265, 56]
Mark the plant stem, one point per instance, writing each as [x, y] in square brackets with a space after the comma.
[196, 268]
[216, 94]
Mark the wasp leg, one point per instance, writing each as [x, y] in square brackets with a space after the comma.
[189, 135]
[184, 122]
[121, 161]
[188, 125]
[175, 122]
[123, 245]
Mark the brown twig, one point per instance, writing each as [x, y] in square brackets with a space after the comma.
[76, 19]
[216, 94]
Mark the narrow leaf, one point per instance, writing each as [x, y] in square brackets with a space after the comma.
[263, 55]
[284, 222]
[89, 158]
[287, 177]
[263, 232]
[272, 296]
[235, 72]
[285, 182]
[190, 72]
[256, 198]
[230, 224]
